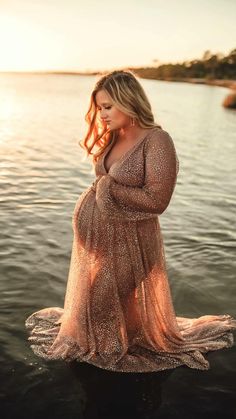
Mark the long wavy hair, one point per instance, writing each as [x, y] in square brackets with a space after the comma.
[127, 94]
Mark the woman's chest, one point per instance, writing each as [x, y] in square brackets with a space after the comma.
[115, 153]
[126, 166]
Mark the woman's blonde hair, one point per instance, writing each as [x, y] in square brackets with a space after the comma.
[127, 94]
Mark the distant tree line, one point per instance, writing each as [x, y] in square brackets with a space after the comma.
[211, 66]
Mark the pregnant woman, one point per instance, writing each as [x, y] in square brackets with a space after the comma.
[118, 312]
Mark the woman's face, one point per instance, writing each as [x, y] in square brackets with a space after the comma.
[112, 117]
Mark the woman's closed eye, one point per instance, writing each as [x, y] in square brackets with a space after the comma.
[108, 107]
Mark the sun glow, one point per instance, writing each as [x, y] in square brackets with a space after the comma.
[11, 54]
[22, 44]
[7, 106]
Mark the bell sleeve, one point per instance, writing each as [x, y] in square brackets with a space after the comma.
[116, 200]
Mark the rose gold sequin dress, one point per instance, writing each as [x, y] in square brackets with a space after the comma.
[118, 312]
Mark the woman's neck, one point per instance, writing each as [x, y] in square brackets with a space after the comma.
[130, 133]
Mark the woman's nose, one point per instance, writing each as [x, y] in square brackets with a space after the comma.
[103, 114]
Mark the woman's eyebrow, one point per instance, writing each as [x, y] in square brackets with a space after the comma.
[104, 103]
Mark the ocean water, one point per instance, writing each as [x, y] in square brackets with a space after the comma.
[43, 171]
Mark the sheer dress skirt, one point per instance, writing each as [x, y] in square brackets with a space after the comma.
[118, 312]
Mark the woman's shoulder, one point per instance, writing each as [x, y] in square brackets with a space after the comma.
[161, 147]
[159, 137]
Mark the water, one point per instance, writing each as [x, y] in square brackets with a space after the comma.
[43, 171]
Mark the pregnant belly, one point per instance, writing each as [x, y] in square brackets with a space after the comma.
[85, 218]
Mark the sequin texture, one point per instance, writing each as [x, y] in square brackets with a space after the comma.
[118, 312]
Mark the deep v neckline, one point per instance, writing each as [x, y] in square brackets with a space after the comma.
[125, 155]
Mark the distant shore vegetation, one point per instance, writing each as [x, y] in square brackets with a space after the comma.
[210, 67]
[215, 69]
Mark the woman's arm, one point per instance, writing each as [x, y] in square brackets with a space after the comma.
[161, 169]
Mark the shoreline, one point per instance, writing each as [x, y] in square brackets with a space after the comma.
[227, 83]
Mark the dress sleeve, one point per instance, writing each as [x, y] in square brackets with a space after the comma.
[135, 203]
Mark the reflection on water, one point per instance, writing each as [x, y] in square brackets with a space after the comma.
[43, 172]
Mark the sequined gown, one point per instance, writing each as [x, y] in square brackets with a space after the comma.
[118, 312]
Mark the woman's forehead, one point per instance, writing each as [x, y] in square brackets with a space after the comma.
[102, 98]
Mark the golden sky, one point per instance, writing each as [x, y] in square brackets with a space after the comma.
[80, 35]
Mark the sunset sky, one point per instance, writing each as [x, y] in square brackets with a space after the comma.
[80, 35]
